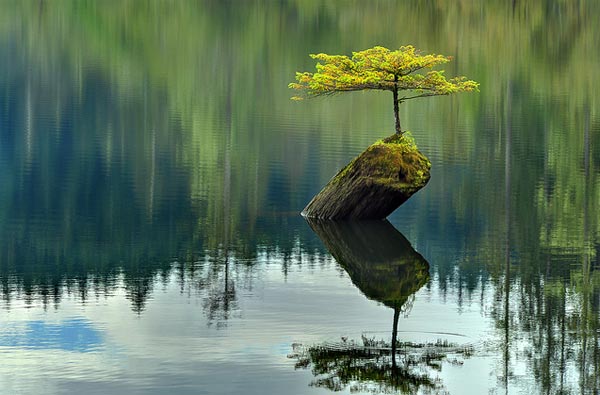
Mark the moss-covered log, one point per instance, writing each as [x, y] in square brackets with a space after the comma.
[374, 184]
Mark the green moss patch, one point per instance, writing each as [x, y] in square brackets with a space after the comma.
[393, 160]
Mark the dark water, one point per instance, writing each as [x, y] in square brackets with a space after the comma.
[152, 169]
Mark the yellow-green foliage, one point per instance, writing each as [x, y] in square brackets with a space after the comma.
[381, 69]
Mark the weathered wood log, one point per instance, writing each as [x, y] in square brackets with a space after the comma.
[374, 184]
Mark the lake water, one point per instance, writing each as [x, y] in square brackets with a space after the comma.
[152, 171]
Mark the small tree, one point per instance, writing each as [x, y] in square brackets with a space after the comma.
[382, 69]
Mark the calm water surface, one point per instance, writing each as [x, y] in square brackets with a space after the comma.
[153, 168]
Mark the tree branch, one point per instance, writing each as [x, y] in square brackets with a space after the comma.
[422, 95]
[410, 71]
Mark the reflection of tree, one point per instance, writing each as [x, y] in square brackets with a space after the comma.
[219, 290]
[367, 367]
[384, 266]
[139, 285]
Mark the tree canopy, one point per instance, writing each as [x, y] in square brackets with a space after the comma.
[382, 69]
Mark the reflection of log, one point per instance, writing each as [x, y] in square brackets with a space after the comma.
[378, 258]
[374, 184]
[384, 266]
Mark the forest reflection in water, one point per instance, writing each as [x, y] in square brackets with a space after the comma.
[547, 327]
[137, 160]
[545, 315]
[135, 268]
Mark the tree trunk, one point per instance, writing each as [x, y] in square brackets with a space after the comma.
[395, 335]
[396, 105]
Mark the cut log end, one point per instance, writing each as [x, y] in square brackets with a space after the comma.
[374, 184]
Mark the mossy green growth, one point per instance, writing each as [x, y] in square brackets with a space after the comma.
[394, 161]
